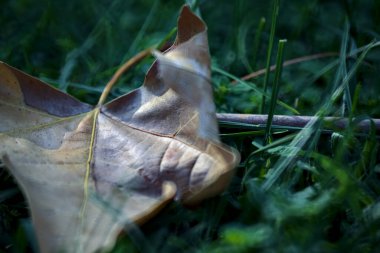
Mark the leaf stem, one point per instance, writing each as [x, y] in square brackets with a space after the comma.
[88, 163]
[126, 66]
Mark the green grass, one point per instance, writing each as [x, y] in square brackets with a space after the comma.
[308, 190]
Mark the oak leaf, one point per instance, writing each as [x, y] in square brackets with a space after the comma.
[88, 171]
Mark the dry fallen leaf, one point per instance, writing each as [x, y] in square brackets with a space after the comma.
[88, 171]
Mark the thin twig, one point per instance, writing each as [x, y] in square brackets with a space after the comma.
[126, 66]
[309, 58]
[290, 62]
[295, 121]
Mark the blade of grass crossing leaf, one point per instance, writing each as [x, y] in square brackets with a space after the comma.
[276, 6]
[275, 89]
[134, 232]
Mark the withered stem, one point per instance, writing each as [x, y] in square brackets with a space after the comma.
[295, 121]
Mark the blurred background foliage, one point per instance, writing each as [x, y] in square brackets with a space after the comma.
[326, 202]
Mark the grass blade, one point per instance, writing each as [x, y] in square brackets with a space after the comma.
[303, 136]
[275, 90]
[256, 42]
[276, 6]
[148, 20]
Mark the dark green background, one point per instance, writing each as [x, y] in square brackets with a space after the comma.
[78, 45]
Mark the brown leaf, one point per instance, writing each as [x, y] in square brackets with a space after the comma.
[88, 172]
